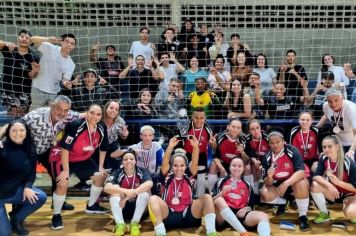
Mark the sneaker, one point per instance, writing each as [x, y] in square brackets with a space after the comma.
[135, 229]
[322, 218]
[281, 209]
[120, 229]
[212, 234]
[353, 221]
[96, 209]
[303, 223]
[57, 222]
[66, 207]
[18, 227]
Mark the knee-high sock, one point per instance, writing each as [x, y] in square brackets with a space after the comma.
[210, 223]
[58, 201]
[231, 218]
[263, 228]
[94, 194]
[320, 202]
[211, 181]
[256, 188]
[302, 205]
[116, 210]
[200, 185]
[249, 179]
[141, 204]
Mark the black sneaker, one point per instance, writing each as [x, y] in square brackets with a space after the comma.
[303, 223]
[66, 207]
[57, 222]
[96, 209]
[18, 227]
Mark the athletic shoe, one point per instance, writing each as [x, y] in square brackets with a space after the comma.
[353, 221]
[18, 227]
[96, 209]
[281, 209]
[244, 234]
[212, 234]
[303, 223]
[120, 229]
[57, 222]
[135, 229]
[66, 207]
[322, 218]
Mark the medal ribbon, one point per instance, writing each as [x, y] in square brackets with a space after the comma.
[275, 158]
[146, 156]
[305, 144]
[201, 131]
[176, 190]
[90, 136]
[337, 120]
[133, 180]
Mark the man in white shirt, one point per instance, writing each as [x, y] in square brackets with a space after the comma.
[56, 67]
[143, 47]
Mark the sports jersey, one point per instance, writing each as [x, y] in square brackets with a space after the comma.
[306, 143]
[120, 178]
[149, 159]
[227, 148]
[349, 175]
[80, 143]
[286, 164]
[178, 188]
[238, 196]
[256, 148]
[42, 131]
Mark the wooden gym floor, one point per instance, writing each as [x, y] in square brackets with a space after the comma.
[77, 223]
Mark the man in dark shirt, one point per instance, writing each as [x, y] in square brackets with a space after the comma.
[292, 75]
[281, 106]
[20, 66]
[109, 67]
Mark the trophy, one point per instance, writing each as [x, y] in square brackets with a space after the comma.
[183, 123]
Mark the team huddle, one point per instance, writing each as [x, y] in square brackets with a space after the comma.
[216, 176]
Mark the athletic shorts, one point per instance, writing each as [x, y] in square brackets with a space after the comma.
[82, 169]
[241, 219]
[183, 219]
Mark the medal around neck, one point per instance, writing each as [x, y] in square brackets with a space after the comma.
[183, 123]
[336, 129]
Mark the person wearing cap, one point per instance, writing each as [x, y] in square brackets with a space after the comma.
[20, 66]
[340, 79]
[129, 189]
[56, 68]
[318, 97]
[177, 208]
[283, 173]
[340, 113]
[109, 66]
[89, 92]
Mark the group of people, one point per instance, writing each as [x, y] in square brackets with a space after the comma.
[219, 175]
[187, 69]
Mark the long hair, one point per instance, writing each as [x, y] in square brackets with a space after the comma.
[27, 142]
[105, 115]
[340, 155]
[323, 66]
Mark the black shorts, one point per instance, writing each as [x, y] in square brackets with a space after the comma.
[289, 191]
[241, 219]
[129, 210]
[82, 169]
[183, 219]
[341, 198]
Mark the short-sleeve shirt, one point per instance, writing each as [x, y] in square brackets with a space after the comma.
[281, 109]
[151, 158]
[41, 127]
[347, 121]
[349, 174]
[137, 48]
[81, 143]
[110, 69]
[203, 135]
[120, 178]
[286, 165]
[257, 148]
[306, 143]
[180, 188]
[227, 147]
[239, 195]
[54, 68]
[16, 69]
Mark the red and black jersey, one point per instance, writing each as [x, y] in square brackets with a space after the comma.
[308, 150]
[349, 175]
[289, 162]
[239, 195]
[227, 148]
[120, 178]
[76, 140]
[180, 188]
[203, 135]
[257, 148]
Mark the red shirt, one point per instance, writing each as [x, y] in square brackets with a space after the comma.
[239, 196]
[310, 144]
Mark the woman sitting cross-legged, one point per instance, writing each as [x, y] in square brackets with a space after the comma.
[176, 208]
[129, 189]
[232, 195]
